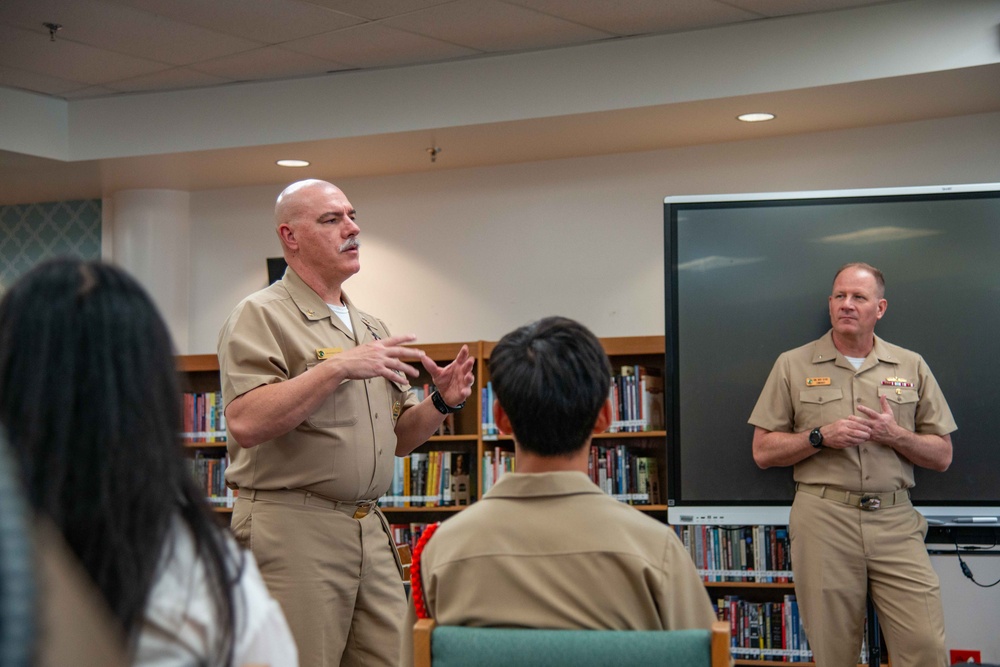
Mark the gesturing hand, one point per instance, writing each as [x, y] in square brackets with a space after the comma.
[455, 380]
[380, 358]
[882, 424]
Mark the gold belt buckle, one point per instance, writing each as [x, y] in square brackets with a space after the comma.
[870, 503]
[362, 511]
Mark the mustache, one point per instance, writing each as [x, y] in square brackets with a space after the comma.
[349, 244]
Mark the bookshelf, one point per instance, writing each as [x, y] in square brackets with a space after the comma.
[631, 351]
[465, 442]
[204, 435]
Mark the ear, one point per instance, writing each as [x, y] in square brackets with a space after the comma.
[287, 236]
[882, 305]
[603, 418]
[501, 419]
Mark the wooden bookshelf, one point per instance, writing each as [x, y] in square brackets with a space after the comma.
[199, 373]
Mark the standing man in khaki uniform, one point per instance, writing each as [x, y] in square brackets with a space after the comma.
[317, 405]
[545, 547]
[854, 414]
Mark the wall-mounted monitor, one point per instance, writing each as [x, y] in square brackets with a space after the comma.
[748, 276]
[275, 269]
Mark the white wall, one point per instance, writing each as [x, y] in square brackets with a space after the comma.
[970, 611]
[470, 254]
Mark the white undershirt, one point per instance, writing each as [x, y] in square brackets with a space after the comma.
[855, 361]
[343, 314]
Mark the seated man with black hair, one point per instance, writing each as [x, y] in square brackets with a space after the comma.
[545, 547]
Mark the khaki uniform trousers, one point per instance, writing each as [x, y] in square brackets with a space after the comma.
[837, 552]
[334, 576]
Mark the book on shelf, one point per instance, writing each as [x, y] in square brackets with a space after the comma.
[209, 472]
[743, 553]
[769, 631]
[426, 479]
[407, 533]
[487, 424]
[636, 396]
[496, 463]
[624, 474]
[204, 420]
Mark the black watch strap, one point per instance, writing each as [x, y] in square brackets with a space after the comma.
[443, 407]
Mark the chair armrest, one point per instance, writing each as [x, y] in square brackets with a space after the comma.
[422, 630]
[720, 644]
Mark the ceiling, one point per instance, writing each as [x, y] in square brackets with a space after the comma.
[110, 47]
[115, 48]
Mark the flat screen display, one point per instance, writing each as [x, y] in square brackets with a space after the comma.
[747, 277]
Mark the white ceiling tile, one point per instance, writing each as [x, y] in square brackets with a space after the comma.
[33, 52]
[172, 79]
[641, 17]
[488, 25]
[123, 29]
[266, 21]
[375, 45]
[269, 62]
[379, 9]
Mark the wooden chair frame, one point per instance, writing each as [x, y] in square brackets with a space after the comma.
[424, 627]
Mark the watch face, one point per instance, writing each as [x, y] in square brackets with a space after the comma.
[816, 438]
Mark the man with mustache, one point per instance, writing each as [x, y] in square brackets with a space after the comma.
[854, 414]
[317, 404]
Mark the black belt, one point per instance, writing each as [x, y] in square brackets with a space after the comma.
[355, 509]
[866, 501]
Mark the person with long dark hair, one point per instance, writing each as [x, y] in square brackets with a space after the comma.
[90, 399]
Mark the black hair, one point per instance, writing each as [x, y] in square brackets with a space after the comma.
[91, 400]
[551, 377]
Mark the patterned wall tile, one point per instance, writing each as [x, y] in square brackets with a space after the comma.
[30, 233]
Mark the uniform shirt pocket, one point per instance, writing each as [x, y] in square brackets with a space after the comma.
[819, 406]
[339, 409]
[903, 403]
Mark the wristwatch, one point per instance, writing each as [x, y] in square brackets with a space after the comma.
[816, 438]
[443, 407]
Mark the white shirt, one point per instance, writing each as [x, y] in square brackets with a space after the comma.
[182, 626]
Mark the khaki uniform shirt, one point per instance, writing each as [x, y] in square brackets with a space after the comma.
[551, 550]
[814, 385]
[345, 449]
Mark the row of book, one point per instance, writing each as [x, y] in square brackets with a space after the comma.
[209, 472]
[495, 464]
[636, 400]
[743, 553]
[429, 479]
[204, 419]
[636, 396]
[625, 475]
[765, 630]
[407, 533]
[488, 425]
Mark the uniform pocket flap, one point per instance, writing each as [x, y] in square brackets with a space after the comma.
[821, 395]
[899, 396]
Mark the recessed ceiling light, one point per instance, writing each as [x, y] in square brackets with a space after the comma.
[292, 163]
[755, 117]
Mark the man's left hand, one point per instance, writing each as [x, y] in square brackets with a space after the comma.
[454, 381]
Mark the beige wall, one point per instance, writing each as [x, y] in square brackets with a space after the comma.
[470, 254]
